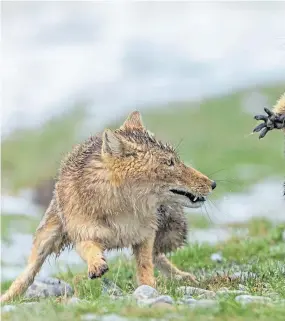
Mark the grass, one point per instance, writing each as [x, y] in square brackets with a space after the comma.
[32, 155]
[263, 253]
[16, 223]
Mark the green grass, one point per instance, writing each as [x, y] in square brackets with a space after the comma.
[262, 254]
[32, 155]
[17, 223]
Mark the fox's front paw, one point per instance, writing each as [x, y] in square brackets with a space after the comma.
[97, 269]
[271, 121]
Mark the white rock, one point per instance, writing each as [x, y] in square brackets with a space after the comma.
[242, 287]
[145, 292]
[247, 299]
[217, 257]
[230, 292]
[188, 301]
[112, 317]
[75, 300]
[162, 298]
[204, 304]
[8, 308]
[89, 317]
[189, 290]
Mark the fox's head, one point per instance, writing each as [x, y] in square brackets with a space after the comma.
[133, 156]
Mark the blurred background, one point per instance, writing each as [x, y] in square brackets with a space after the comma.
[198, 73]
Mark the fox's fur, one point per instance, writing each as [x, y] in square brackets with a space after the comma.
[279, 107]
[118, 189]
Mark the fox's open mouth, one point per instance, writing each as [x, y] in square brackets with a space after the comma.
[192, 198]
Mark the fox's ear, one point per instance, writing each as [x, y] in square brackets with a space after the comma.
[133, 121]
[112, 144]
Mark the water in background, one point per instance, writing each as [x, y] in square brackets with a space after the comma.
[117, 56]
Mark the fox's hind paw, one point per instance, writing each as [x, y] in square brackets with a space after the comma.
[187, 277]
[270, 121]
[98, 269]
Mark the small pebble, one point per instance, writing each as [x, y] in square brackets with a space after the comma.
[189, 290]
[188, 301]
[163, 305]
[145, 292]
[89, 317]
[247, 299]
[217, 257]
[204, 304]
[8, 308]
[231, 292]
[242, 287]
[152, 301]
[75, 300]
[112, 317]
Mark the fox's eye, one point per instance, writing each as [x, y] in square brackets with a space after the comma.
[169, 162]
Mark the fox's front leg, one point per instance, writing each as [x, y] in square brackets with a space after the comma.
[144, 255]
[91, 252]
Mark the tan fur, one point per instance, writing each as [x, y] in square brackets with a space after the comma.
[118, 189]
[279, 107]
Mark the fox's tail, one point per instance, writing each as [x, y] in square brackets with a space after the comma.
[47, 240]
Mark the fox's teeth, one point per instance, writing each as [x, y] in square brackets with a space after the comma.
[195, 198]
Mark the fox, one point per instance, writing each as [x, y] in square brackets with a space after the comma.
[275, 119]
[119, 188]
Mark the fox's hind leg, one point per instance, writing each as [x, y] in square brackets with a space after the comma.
[48, 239]
[91, 252]
[170, 270]
[171, 235]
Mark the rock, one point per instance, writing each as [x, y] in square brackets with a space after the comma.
[110, 288]
[217, 257]
[204, 304]
[154, 301]
[281, 302]
[163, 305]
[247, 299]
[89, 317]
[242, 287]
[145, 292]
[230, 292]
[189, 290]
[29, 303]
[243, 276]
[75, 300]
[46, 287]
[8, 308]
[112, 317]
[273, 295]
[188, 300]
